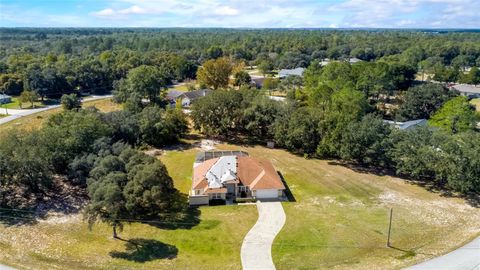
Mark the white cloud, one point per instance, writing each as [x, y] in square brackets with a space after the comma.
[254, 13]
[225, 11]
[104, 12]
[133, 10]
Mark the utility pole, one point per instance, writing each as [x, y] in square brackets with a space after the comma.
[390, 227]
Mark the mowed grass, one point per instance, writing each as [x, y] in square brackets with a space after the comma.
[15, 104]
[340, 217]
[66, 243]
[476, 102]
[35, 121]
[338, 221]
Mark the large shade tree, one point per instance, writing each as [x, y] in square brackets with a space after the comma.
[215, 73]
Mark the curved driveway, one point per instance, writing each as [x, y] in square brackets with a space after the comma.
[464, 258]
[256, 253]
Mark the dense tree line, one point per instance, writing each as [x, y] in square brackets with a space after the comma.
[341, 124]
[53, 62]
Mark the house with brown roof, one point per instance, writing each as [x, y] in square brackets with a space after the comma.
[228, 175]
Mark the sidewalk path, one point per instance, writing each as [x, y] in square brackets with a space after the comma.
[15, 114]
[256, 253]
[464, 258]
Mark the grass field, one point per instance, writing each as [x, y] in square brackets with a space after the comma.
[476, 102]
[15, 104]
[340, 217]
[338, 221]
[36, 120]
[67, 243]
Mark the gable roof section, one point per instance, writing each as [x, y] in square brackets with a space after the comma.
[173, 94]
[198, 180]
[223, 170]
[193, 95]
[291, 72]
[258, 174]
[251, 172]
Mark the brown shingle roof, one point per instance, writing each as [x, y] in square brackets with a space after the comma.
[258, 174]
[199, 181]
[251, 172]
[216, 190]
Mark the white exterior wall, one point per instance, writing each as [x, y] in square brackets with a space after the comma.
[266, 193]
[198, 200]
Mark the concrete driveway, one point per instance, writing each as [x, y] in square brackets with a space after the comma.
[464, 258]
[256, 253]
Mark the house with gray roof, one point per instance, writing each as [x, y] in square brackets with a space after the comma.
[186, 98]
[408, 125]
[468, 90]
[291, 72]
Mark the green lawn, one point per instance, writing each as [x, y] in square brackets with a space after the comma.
[34, 121]
[339, 220]
[340, 217]
[183, 87]
[212, 244]
[15, 104]
[476, 102]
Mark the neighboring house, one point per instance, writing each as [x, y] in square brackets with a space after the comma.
[173, 94]
[468, 90]
[324, 62]
[5, 99]
[227, 175]
[354, 60]
[408, 125]
[186, 98]
[276, 98]
[291, 72]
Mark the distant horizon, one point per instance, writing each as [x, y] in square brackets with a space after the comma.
[247, 14]
[236, 28]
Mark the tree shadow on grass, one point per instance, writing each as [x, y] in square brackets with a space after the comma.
[144, 250]
[288, 192]
[181, 217]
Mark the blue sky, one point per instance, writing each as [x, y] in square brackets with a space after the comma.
[242, 13]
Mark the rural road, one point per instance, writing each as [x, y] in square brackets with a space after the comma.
[15, 114]
[256, 253]
[464, 258]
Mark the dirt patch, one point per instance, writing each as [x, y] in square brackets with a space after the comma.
[440, 212]
[208, 145]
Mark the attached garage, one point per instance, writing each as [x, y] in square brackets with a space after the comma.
[266, 193]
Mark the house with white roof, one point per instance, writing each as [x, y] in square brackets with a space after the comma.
[227, 175]
[408, 125]
[291, 72]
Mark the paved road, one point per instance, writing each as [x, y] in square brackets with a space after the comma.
[464, 258]
[15, 114]
[256, 253]
[4, 267]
